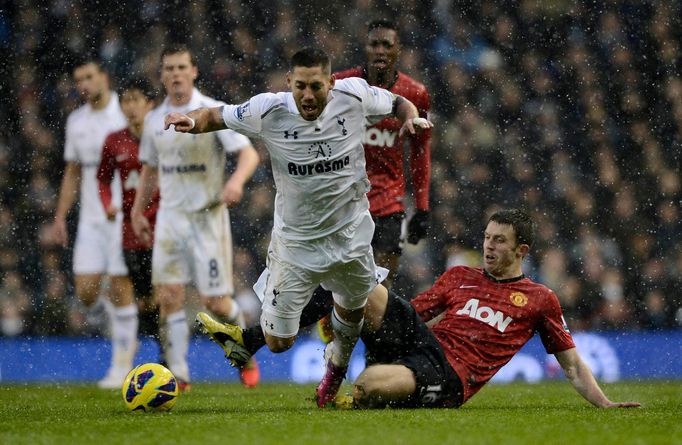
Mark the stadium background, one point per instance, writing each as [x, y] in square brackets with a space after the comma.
[569, 110]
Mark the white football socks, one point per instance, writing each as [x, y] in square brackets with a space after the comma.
[176, 345]
[346, 336]
[124, 324]
[236, 317]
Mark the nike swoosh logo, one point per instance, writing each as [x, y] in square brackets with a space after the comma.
[466, 286]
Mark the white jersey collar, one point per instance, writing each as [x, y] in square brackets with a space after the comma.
[193, 104]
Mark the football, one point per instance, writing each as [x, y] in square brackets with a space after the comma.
[150, 387]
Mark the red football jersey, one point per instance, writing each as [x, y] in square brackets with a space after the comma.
[384, 151]
[120, 153]
[485, 322]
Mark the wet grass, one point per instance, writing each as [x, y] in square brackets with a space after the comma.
[281, 414]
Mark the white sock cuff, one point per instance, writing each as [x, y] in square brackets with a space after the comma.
[176, 316]
[124, 311]
[234, 312]
[349, 324]
[346, 328]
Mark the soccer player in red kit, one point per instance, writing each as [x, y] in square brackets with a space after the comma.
[120, 153]
[384, 150]
[479, 319]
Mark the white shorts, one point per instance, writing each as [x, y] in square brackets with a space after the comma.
[342, 263]
[194, 247]
[98, 248]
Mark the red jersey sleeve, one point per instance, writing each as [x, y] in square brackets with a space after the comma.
[434, 301]
[552, 327]
[105, 173]
[420, 154]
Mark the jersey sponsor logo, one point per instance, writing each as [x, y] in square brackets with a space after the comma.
[189, 168]
[467, 286]
[317, 167]
[242, 111]
[380, 138]
[518, 299]
[496, 319]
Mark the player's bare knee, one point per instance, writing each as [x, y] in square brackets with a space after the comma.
[87, 288]
[367, 389]
[279, 344]
[218, 305]
[170, 299]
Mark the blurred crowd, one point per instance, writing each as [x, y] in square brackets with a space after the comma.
[571, 110]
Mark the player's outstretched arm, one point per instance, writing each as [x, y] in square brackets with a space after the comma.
[579, 374]
[409, 115]
[201, 120]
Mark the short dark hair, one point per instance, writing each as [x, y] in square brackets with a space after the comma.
[381, 23]
[86, 59]
[177, 48]
[140, 84]
[311, 57]
[521, 222]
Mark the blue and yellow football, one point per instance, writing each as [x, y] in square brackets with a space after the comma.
[150, 387]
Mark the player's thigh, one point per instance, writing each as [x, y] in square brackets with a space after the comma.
[436, 383]
[87, 287]
[288, 289]
[169, 297]
[121, 290]
[381, 384]
[352, 282]
[355, 274]
[211, 246]
[170, 254]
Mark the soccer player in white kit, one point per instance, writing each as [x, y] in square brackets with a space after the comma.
[322, 226]
[97, 248]
[192, 238]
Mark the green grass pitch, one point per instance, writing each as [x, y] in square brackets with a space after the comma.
[547, 413]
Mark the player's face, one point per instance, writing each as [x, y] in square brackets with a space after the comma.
[91, 82]
[383, 49]
[135, 106]
[502, 255]
[310, 87]
[178, 75]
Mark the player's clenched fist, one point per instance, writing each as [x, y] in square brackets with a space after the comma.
[181, 122]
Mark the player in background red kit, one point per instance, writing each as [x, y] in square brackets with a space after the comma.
[384, 155]
[384, 150]
[120, 153]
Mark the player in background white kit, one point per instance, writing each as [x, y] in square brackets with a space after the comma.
[97, 249]
[322, 227]
[192, 238]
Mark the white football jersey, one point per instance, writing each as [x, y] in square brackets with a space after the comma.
[191, 166]
[86, 130]
[318, 166]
